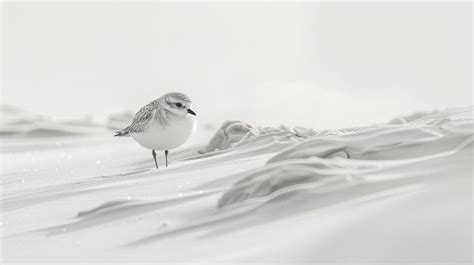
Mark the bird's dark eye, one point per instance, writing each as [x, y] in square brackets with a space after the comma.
[179, 105]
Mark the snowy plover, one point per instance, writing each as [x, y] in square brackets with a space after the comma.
[163, 124]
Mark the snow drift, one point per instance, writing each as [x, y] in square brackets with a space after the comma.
[319, 161]
[395, 192]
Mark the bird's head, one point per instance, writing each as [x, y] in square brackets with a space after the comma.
[178, 103]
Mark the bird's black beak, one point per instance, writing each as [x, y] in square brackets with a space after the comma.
[190, 111]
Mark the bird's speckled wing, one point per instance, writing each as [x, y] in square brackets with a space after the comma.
[141, 119]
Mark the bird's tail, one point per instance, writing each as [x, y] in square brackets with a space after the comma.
[123, 132]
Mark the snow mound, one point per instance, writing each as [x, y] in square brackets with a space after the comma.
[233, 134]
[230, 133]
[18, 123]
[319, 161]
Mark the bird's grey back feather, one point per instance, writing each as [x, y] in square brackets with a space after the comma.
[141, 119]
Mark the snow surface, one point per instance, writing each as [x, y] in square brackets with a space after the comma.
[397, 192]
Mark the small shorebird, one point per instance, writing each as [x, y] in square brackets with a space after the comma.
[164, 124]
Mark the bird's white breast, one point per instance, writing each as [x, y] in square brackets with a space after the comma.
[166, 137]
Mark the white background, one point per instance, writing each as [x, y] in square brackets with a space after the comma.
[311, 64]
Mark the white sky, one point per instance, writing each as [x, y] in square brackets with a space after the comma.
[311, 64]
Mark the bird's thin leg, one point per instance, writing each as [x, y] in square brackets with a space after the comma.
[154, 157]
[166, 157]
